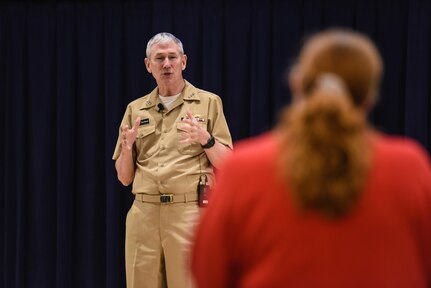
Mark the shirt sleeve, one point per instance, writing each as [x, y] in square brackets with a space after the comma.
[423, 177]
[218, 126]
[126, 120]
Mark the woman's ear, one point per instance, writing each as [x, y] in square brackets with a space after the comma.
[370, 101]
[295, 81]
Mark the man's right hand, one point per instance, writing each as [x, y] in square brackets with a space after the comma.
[128, 136]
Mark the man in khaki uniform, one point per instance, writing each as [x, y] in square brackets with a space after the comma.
[168, 139]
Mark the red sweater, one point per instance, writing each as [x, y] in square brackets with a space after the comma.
[251, 235]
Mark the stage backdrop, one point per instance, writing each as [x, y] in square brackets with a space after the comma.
[68, 70]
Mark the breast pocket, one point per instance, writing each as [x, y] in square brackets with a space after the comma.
[146, 140]
[187, 148]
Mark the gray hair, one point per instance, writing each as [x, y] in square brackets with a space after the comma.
[164, 37]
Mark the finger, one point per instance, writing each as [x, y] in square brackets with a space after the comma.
[137, 123]
[193, 119]
[189, 114]
[183, 137]
[188, 121]
[124, 128]
[185, 127]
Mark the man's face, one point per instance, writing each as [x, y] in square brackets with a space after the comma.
[166, 63]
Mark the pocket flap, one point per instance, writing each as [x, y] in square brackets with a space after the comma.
[145, 131]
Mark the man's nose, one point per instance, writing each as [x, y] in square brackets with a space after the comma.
[166, 62]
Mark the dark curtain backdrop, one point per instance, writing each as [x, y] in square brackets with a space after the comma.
[68, 70]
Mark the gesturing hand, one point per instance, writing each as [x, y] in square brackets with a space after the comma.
[192, 131]
[128, 136]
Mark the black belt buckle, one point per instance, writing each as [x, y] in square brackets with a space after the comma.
[167, 198]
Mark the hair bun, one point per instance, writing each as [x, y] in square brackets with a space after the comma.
[331, 83]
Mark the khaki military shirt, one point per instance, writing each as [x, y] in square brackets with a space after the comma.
[162, 164]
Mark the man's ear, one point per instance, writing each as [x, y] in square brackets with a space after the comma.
[147, 65]
[183, 62]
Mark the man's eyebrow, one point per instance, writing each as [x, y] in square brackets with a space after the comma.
[169, 53]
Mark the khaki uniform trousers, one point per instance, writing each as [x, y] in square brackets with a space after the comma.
[158, 240]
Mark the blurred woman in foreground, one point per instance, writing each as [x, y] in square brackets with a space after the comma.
[324, 200]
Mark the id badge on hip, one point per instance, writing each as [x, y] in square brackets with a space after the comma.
[203, 191]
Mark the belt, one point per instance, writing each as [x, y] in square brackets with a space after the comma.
[168, 198]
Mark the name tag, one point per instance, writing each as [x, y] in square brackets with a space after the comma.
[144, 121]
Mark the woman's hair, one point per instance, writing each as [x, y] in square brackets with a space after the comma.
[325, 154]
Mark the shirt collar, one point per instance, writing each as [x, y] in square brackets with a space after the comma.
[189, 93]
